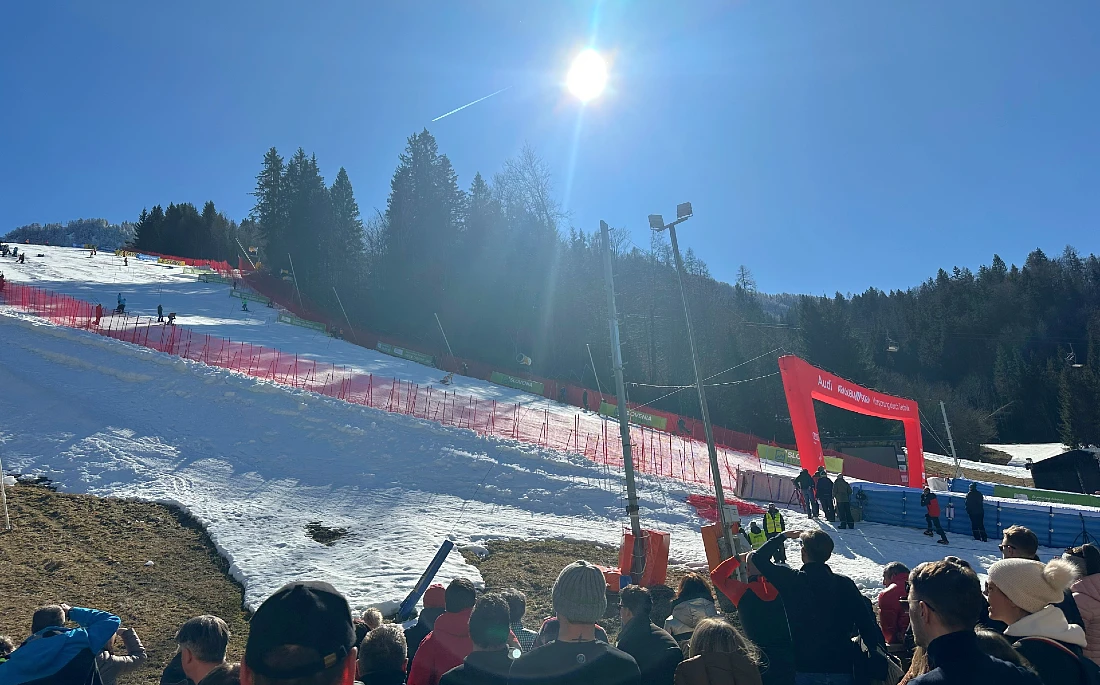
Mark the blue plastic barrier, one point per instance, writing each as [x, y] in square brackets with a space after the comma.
[1056, 526]
[963, 485]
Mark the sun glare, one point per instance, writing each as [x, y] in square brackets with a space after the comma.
[588, 75]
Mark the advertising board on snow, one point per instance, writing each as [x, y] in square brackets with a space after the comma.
[1036, 495]
[395, 351]
[634, 416]
[517, 383]
[780, 455]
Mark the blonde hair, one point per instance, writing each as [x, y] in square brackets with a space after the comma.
[372, 617]
[718, 635]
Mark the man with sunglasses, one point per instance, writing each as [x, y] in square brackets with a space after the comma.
[945, 601]
[1021, 543]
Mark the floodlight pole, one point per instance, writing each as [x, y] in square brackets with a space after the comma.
[638, 561]
[716, 474]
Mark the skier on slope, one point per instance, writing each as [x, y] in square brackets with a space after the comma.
[160, 313]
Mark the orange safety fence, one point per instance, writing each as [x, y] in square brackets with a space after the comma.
[655, 452]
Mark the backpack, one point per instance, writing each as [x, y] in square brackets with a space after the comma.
[1089, 669]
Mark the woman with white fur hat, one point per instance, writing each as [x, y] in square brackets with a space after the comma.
[1022, 593]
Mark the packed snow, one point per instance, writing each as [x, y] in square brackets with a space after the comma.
[255, 462]
[1036, 453]
[1004, 470]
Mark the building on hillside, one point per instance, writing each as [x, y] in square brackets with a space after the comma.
[1072, 471]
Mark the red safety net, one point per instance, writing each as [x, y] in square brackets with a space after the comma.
[223, 268]
[705, 505]
[654, 452]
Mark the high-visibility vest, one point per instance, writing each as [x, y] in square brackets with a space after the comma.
[757, 540]
[773, 523]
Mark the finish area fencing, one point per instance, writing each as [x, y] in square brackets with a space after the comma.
[542, 422]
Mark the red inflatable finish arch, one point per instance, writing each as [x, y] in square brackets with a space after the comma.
[803, 383]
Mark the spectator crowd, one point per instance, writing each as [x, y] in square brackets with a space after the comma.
[1033, 623]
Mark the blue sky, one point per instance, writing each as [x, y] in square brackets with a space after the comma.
[826, 145]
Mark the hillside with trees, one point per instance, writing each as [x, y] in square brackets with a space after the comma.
[99, 232]
[1013, 351]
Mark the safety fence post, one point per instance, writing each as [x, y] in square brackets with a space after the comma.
[1050, 528]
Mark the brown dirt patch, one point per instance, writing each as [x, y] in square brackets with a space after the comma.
[532, 566]
[88, 551]
[935, 468]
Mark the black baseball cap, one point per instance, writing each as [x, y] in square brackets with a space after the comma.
[307, 614]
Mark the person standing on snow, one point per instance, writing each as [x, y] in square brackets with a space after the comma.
[160, 313]
[805, 484]
[757, 538]
[773, 526]
[842, 493]
[825, 494]
[975, 509]
[931, 506]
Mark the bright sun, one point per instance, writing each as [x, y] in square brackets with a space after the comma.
[588, 75]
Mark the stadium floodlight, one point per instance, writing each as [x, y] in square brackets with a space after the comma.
[656, 222]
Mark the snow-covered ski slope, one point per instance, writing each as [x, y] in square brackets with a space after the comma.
[207, 308]
[255, 462]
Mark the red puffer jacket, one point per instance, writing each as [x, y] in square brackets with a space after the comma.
[444, 648]
[893, 610]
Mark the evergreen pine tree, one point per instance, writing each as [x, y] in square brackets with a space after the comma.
[269, 212]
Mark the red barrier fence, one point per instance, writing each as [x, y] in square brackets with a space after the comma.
[221, 267]
[655, 452]
[283, 294]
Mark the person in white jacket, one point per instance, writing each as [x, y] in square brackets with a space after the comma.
[1086, 592]
[1022, 593]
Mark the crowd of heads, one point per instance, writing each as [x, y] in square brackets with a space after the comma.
[305, 634]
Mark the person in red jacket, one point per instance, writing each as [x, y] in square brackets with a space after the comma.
[762, 614]
[449, 643]
[893, 611]
[932, 514]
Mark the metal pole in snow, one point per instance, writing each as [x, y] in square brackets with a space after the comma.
[295, 275]
[4, 497]
[448, 343]
[950, 441]
[350, 327]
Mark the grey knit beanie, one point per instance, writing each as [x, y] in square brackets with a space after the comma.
[580, 593]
